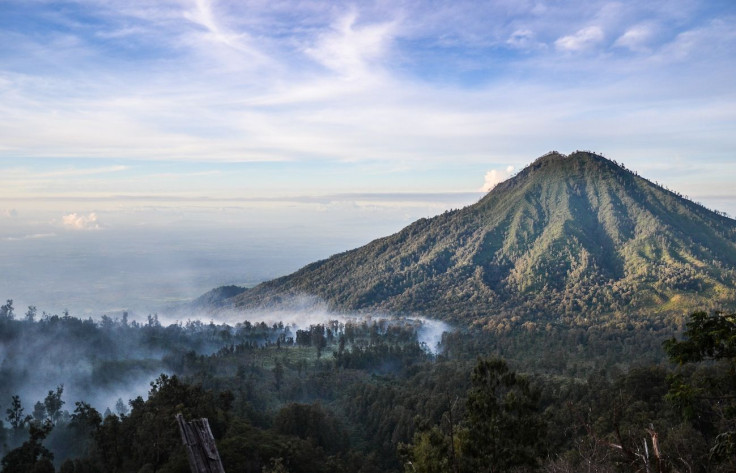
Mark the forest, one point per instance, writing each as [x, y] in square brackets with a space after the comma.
[365, 395]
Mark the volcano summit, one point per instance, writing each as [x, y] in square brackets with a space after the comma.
[571, 239]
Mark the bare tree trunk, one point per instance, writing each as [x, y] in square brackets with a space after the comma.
[655, 446]
[200, 444]
[452, 435]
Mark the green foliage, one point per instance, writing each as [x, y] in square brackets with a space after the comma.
[32, 456]
[276, 466]
[155, 436]
[15, 413]
[430, 452]
[504, 427]
[7, 311]
[587, 397]
[53, 404]
[709, 337]
[86, 420]
[709, 392]
[278, 373]
[311, 422]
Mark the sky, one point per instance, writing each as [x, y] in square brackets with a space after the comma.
[266, 134]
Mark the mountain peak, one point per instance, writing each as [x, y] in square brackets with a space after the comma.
[577, 162]
[576, 158]
[569, 238]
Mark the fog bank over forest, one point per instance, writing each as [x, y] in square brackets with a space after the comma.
[107, 359]
[100, 261]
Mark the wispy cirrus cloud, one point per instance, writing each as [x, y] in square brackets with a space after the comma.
[352, 50]
[584, 39]
[33, 236]
[81, 172]
[636, 38]
[411, 82]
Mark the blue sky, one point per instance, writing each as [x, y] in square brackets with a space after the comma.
[369, 96]
[120, 115]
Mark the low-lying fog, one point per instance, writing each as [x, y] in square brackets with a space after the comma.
[103, 361]
[103, 261]
[302, 312]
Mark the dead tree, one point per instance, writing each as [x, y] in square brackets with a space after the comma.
[200, 445]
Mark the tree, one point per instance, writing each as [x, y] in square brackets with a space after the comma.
[31, 313]
[278, 372]
[708, 337]
[311, 422]
[6, 311]
[39, 412]
[504, 427]
[110, 442]
[15, 413]
[85, 418]
[148, 435]
[84, 423]
[121, 408]
[430, 452]
[31, 457]
[53, 404]
[276, 466]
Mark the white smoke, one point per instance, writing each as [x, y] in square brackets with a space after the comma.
[301, 311]
[494, 176]
[430, 333]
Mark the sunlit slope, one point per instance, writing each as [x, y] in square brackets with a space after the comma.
[569, 239]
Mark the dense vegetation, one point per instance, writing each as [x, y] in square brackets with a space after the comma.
[364, 396]
[569, 287]
[570, 240]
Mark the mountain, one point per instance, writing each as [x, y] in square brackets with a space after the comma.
[216, 297]
[571, 240]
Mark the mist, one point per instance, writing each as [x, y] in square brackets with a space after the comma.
[102, 360]
[112, 283]
[90, 363]
[301, 312]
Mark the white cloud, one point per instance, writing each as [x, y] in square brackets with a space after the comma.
[717, 39]
[494, 176]
[584, 39]
[407, 82]
[10, 213]
[75, 221]
[351, 50]
[524, 39]
[636, 38]
[66, 173]
[34, 236]
[204, 15]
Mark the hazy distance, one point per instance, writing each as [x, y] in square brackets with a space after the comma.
[106, 257]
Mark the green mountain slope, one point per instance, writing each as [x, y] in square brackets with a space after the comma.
[570, 239]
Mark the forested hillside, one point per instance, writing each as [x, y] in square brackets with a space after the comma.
[365, 396]
[570, 240]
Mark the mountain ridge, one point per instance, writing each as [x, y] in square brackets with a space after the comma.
[569, 239]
